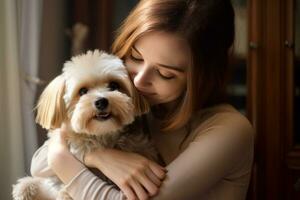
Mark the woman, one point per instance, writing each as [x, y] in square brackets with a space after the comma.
[176, 53]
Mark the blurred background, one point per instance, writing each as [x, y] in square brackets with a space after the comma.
[38, 36]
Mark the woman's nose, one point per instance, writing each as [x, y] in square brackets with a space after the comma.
[142, 77]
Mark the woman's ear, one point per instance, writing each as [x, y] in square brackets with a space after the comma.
[141, 105]
[51, 110]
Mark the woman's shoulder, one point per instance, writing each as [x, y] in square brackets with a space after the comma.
[224, 127]
[221, 115]
[221, 119]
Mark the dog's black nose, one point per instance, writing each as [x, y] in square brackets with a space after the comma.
[101, 103]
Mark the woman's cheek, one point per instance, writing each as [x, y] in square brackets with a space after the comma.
[167, 89]
[131, 69]
[176, 89]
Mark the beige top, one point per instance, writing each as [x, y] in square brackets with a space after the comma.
[213, 163]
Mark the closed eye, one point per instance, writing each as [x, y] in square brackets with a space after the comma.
[161, 74]
[164, 76]
[136, 59]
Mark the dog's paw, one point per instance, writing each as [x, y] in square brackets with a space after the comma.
[25, 189]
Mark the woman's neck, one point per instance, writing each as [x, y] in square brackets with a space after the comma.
[161, 111]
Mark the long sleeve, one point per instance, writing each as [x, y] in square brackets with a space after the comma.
[214, 159]
[216, 164]
[86, 185]
[209, 165]
[91, 187]
[39, 163]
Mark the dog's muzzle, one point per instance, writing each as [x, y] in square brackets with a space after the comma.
[101, 104]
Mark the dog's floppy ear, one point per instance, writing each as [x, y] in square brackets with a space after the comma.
[141, 105]
[51, 109]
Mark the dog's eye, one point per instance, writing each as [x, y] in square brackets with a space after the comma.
[83, 91]
[113, 86]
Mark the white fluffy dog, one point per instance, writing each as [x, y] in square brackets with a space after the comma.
[95, 97]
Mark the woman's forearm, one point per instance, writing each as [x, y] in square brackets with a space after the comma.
[79, 182]
[87, 186]
[39, 163]
[55, 157]
[65, 166]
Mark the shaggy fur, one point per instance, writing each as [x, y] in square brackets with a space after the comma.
[96, 99]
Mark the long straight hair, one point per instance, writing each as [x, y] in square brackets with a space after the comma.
[207, 26]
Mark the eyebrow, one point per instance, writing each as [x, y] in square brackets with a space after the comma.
[162, 65]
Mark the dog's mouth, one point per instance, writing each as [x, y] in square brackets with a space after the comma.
[102, 116]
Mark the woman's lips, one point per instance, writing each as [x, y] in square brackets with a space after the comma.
[146, 93]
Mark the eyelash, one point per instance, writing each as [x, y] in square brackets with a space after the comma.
[141, 60]
[135, 59]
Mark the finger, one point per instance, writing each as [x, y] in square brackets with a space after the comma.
[158, 165]
[158, 170]
[153, 177]
[139, 190]
[147, 183]
[128, 192]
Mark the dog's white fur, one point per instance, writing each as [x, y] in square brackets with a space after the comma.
[71, 99]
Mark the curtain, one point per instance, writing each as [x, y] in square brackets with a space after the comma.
[19, 46]
[29, 34]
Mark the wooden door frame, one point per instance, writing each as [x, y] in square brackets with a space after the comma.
[97, 16]
[254, 92]
[292, 150]
[270, 97]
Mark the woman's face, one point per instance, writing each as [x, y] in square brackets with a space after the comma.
[158, 65]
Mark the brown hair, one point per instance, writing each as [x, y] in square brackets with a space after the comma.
[208, 27]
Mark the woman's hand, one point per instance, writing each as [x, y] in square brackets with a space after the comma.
[57, 145]
[134, 174]
[60, 159]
